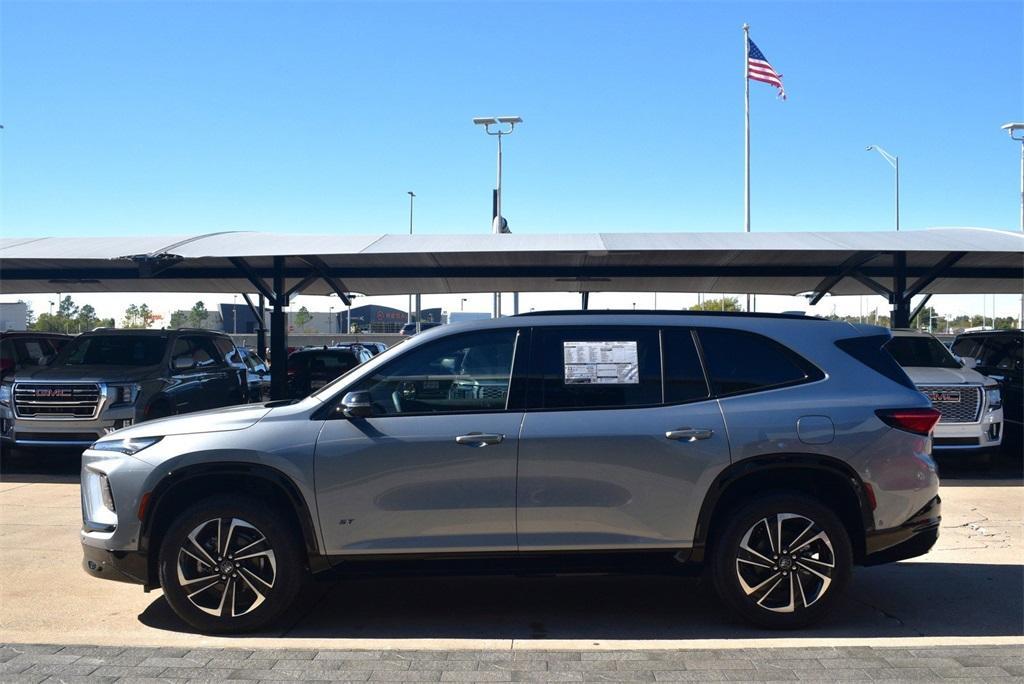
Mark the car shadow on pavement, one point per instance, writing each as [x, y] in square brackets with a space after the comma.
[41, 465]
[903, 599]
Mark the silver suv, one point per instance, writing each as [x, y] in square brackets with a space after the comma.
[773, 451]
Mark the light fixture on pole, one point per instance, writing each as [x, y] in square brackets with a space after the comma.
[1016, 131]
[503, 125]
[894, 162]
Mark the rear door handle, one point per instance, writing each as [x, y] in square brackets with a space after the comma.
[689, 434]
[479, 439]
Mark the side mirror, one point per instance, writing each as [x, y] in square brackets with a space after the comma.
[183, 363]
[969, 361]
[356, 405]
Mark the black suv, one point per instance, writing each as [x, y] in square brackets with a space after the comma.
[312, 368]
[999, 355]
[108, 379]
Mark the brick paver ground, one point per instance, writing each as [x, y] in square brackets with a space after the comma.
[58, 663]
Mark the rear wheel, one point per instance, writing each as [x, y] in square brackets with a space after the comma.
[229, 564]
[782, 561]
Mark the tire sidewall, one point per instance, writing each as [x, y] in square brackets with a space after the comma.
[725, 548]
[291, 571]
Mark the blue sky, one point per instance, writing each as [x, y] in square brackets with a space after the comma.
[172, 117]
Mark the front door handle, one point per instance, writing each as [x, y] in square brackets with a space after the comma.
[689, 434]
[479, 439]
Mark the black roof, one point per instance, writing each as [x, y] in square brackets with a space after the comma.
[32, 333]
[657, 312]
[990, 333]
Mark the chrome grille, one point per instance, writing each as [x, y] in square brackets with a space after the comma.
[56, 400]
[956, 403]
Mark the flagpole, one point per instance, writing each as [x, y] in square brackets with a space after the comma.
[746, 134]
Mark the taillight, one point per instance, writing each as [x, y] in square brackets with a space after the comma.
[919, 421]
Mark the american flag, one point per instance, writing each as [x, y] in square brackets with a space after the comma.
[758, 69]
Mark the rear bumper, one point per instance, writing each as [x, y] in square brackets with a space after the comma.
[119, 566]
[911, 539]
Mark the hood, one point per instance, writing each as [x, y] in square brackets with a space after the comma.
[85, 373]
[924, 375]
[216, 420]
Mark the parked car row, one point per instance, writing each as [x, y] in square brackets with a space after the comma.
[60, 390]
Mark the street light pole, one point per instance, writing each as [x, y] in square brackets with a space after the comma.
[894, 162]
[497, 224]
[412, 196]
[1016, 131]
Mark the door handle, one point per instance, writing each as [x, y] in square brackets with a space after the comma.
[689, 434]
[478, 439]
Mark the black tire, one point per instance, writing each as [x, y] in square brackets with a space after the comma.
[284, 567]
[783, 595]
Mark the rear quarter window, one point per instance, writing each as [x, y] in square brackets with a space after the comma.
[738, 361]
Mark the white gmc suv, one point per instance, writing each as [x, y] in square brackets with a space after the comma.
[970, 403]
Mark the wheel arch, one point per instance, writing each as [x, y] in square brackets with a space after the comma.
[183, 487]
[828, 479]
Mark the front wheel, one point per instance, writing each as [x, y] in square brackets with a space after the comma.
[228, 564]
[782, 561]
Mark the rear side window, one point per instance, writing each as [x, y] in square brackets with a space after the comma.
[869, 350]
[684, 376]
[739, 361]
[599, 367]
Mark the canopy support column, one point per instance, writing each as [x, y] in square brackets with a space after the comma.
[279, 335]
[899, 299]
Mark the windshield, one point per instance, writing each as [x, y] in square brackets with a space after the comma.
[113, 350]
[920, 352]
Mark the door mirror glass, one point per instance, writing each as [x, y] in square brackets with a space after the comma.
[183, 363]
[356, 405]
[969, 361]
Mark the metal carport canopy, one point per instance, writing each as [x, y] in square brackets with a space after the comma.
[938, 261]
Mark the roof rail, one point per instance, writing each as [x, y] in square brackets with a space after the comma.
[655, 312]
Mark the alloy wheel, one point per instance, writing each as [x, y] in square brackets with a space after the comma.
[226, 567]
[785, 563]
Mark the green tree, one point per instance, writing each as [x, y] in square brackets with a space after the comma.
[197, 315]
[179, 319]
[302, 317]
[87, 319]
[720, 304]
[138, 316]
[30, 316]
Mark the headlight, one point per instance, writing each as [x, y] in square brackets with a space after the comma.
[131, 445]
[123, 394]
[5, 394]
[994, 398]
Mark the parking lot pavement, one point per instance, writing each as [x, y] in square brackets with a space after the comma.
[969, 591]
[55, 663]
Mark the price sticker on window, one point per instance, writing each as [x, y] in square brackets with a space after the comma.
[601, 363]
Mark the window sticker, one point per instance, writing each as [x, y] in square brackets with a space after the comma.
[601, 363]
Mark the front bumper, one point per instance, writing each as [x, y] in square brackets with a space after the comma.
[30, 432]
[119, 566]
[911, 539]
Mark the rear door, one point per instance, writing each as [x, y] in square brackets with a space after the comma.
[610, 456]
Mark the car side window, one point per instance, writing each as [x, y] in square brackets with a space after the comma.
[227, 350]
[204, 352]
[595, 367]
[455, 374]
[684, 375]
[738, 361]
[1003, 353]
[181, 349]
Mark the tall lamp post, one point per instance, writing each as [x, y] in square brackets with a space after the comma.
[503, 125]
[894, 162]
[412, 196]
[1016, 131]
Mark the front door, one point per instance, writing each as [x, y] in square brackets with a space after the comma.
[615, 452]
[433, 470]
